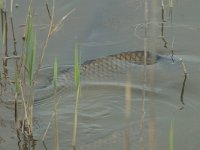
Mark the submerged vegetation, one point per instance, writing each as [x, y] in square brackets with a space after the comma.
[27, 72]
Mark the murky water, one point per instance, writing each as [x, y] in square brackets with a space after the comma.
[109, 27]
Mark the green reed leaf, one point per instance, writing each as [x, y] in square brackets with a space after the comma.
[55, 72]
[1, 3]
[30, 47]
[76, 67]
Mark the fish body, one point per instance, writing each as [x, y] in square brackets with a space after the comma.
[111, 68]
[111, 64]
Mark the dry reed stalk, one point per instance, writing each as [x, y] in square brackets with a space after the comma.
[141, 142]
[152, 74]
[128, 97]
[13, 32]
[184, 82]
[45, 43]
[52, 29]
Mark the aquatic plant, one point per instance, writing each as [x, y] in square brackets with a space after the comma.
[78, 88]
[171, 7]
[55, 74]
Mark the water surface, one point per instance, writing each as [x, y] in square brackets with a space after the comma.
[109, 27]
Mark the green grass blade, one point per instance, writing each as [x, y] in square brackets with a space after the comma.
[77, 83]
[76, 67]
[56, 136]
[1, 2]
[28, 37]
[30, 47]
[55, 73]
[75, 119]
[32, 59]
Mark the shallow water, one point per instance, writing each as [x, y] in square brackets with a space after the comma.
[109, 27]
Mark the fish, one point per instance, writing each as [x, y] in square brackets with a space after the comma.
[111, 64]
[100, 69]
